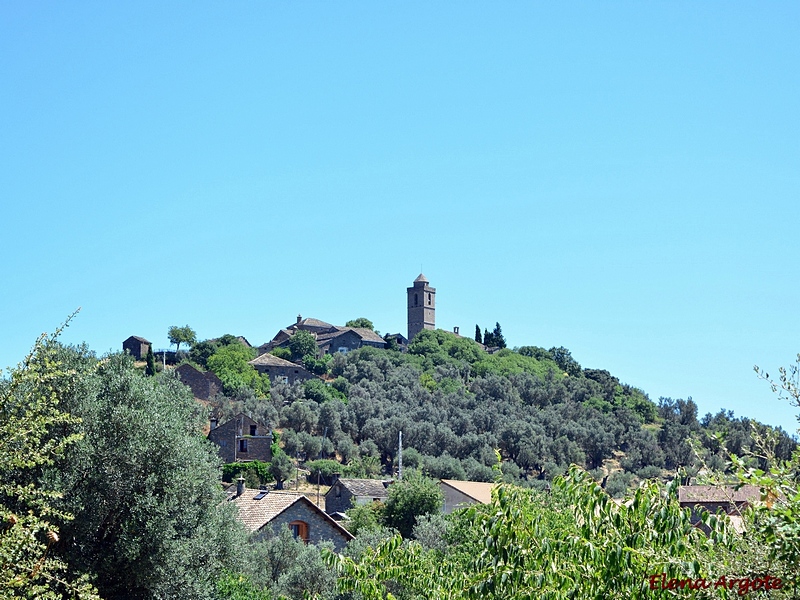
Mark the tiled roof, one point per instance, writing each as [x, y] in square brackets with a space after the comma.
[368, 335]
[421, 279]
[373, 488]
[716, 493]
[139, 339]
[310, 323]
[477, 490]
[329, 335]
[270, 360]
[254, 514]
[711, 493]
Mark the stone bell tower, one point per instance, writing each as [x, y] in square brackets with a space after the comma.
[421, 306]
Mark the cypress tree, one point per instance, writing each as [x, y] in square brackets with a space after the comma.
[497, 337]
[478, 337]
[150, 370]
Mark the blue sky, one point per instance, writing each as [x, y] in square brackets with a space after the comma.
[617, 178]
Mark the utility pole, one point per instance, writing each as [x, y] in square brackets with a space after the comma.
[400, 459]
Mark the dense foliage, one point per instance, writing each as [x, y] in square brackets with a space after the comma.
[107, 486]
[456, 404]
[142, 483]
[30, 518]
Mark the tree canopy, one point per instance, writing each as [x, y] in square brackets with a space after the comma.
[31, 519]
[231, 363]
[142, 483]
[181, 335]
[361, 322]
[301, 344]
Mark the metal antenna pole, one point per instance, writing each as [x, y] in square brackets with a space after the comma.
[400, 459]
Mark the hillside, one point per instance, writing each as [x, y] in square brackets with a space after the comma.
[455, 404]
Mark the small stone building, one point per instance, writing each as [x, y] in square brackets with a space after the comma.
[345, 493]
[458, 494]
[204, 386]
[280, 370]
[242, 439]
[714, 498]
[136, 346]
[259, 510]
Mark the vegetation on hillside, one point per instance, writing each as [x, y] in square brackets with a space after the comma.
[109, 489]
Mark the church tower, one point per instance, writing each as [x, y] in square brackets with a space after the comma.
[421, 306]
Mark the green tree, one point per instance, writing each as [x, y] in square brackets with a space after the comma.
[301, 344]
[497, 336]
[564, 360]
[231, 364]
[181, 335]
[575, 542]
[478, 337]
[361, 322]
[281, 352]
[201, 351]
[143, 483]
[30, 422]
[281, 467]
[150, 369]
[409, 499]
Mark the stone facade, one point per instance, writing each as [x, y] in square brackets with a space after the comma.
[136, 346]
[266, 512]
[346, 339]
[204, 386]
[319, 527]
[345, 493]
[421, 306]
[242, 439]
[330, 338]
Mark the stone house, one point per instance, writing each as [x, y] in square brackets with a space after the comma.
[714, 498]
[136, 346]
[259, 510]
[345, 339]
[242, 439]
[458, 494]
[280, 370]
[345, 493]
[204, 386]
[330, 338]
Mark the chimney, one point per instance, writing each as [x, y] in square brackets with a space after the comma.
[455, 330]
[213, 423]
[240, 486]
[299, 318]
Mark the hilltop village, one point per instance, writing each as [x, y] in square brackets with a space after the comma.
[328, 406]
[332, 459]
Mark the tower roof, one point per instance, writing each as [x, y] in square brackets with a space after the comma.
[421, 279]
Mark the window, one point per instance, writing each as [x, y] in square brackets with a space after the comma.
[299, 530]
[253, 429]
[429, 297]
[416, 300]
[338, 491]
[282, 379]
[343, 349]
[242, 445]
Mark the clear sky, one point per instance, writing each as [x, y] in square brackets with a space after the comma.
[619, 178]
